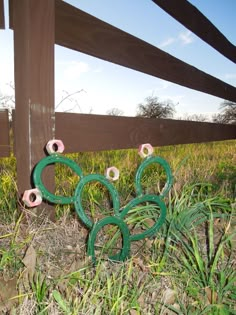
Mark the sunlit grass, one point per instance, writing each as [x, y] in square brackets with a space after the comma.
[192, 257]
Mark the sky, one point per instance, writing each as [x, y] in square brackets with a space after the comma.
[102, 85]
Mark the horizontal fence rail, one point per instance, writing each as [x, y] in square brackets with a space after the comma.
[86, 132]
[83, 132]
[187, 14]
[4, 134]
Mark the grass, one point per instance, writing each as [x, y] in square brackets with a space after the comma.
[187, 268]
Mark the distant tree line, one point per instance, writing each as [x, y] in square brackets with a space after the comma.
[227, 114]
[152, 107]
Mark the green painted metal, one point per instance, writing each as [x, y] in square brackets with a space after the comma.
[37, 177]
[78, 200]
[148, 161]
[119, 213]
[143, 199]
[124, 253]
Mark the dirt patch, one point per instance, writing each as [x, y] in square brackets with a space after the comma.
[8, 291]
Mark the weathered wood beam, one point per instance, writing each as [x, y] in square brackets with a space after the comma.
[4, 134]
[188, 15]
[34, 30]
[83, 132]
[2, 19]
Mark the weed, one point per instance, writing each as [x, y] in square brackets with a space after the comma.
[40, 290]
[209, 266]
[193, 254]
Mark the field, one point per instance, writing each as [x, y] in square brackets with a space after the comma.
[188, 267]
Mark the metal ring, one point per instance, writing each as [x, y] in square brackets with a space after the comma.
[124, 252]
[37, 177]
[152, 230]
[147, 162]
[78, 199]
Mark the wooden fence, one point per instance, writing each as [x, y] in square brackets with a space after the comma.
[39, 25]
[86, 132]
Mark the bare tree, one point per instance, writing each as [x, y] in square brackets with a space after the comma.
[7, 101]
[115, 112]
[69, 97]
[227, 114]
[153, 108]
[195, 117]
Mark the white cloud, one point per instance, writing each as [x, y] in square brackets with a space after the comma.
[186, 37]
[230, 76]
[175, 98]
[162, 85]
[75, 69]
[7, 78]
[98, 70]
[169, 41]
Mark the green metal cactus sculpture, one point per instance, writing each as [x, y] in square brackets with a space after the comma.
[40, 192]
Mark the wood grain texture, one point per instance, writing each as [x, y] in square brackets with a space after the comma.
[188, 15]
[34, 86]
[2, 19]
[83, 132]
[80, 31]
[4, 134]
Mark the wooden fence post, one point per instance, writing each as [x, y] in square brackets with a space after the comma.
[34, 32]
[2, 19]
[4, 133]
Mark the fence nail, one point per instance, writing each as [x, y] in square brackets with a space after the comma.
[145, 150]
[112, 173]
[32, 197]
[55, 146]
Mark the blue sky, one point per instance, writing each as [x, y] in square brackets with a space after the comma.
[106, 85]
